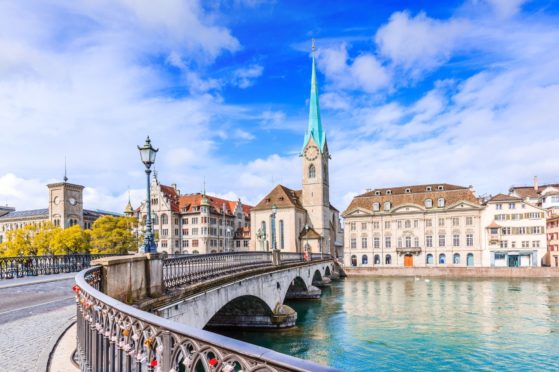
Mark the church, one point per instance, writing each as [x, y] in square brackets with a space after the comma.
[301, 220]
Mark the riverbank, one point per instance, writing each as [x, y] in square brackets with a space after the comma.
[455, 272]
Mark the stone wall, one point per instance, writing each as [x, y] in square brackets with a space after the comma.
[457, 272]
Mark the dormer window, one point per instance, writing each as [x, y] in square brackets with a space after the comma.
[440, 187]
[428, 203]
[388, 192]
[441, 203]
[428, 188]
[376, 207]
[387, 206]
[377, 192]
[407, 191]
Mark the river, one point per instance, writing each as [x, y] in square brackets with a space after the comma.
[368, 324]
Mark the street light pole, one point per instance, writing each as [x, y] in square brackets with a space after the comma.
[147, 154]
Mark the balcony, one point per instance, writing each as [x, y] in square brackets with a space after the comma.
[408, 250]
[494, 238]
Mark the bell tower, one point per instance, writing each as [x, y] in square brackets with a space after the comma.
[315, 158]
[65, 204]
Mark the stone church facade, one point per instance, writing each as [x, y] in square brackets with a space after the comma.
[304, 219]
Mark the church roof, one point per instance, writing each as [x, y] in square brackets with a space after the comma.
[315, 130]
[281, 197]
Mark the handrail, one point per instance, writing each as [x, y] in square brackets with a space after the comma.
[20, 266]
[117, 337]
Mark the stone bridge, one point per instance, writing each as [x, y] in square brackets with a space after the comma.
[256, 301]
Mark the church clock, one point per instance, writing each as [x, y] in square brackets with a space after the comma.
[311, 153]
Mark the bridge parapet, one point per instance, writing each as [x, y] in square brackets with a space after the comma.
[113, 336]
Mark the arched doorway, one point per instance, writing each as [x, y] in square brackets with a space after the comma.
[353, 260]
[470, 259]
[408, 260]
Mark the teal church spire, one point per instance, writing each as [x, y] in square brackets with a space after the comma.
[314, 130]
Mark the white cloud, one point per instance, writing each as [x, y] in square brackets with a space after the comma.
[364, 72]
[420, 43]
[245, 77]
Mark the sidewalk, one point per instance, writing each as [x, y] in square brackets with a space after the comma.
[61, 357]
[28, 280]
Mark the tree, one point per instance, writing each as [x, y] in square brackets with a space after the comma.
[73, 239]
[112, 234]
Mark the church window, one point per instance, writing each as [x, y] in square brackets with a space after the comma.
[282, 239]
[312, 171]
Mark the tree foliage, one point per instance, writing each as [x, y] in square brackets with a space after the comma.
[110, 234]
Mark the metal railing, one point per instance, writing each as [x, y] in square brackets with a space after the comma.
[20, 266]
[113, 336]
[185, 270]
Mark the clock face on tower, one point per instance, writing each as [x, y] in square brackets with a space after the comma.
[311, 153]
[72, 201]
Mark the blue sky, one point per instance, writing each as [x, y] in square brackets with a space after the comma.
[463, 92]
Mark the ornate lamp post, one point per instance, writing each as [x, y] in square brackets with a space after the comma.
[147, 154]
[273, 227]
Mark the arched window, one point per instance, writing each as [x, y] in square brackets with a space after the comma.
[282, 239]
[388, 259]
[164, 219]
[441, 202]
[442, 258]
[364, 259]
[470, 259]
[353, 260]
[428, 203]
[377, 259]
[429, 259]
[312, 171]
[456, 258]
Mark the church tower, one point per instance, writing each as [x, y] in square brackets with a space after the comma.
[315, 157]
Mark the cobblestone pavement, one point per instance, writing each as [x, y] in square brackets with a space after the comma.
[30, 317]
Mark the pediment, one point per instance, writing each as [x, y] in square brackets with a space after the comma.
[357, 212]
[406, 208]
[462, 204]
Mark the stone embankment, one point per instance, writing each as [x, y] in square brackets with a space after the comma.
[455, 272]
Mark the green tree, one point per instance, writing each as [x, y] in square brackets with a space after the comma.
[112, 234]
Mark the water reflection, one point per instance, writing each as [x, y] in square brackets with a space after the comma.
[364, 324]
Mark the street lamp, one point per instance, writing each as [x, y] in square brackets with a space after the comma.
[147, 154]
[273, 227]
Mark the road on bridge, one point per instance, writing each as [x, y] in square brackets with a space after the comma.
[33, 313]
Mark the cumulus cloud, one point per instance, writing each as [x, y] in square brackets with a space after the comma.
[364, 72]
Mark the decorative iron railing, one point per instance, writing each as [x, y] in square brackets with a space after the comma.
[185, 270]
[113, 336]
[17, 267]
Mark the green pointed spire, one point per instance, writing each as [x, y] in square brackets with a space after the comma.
[314, 129]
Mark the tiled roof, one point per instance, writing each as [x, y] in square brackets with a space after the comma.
[493, 225]
[503, 197]
[29, 213]
[529, 191]
[413, 189]
[281, 197]
[172, 195]
[188, 202]
[99, 212]
[417, 195]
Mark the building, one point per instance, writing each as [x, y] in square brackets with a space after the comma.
[552, 229]
[544, 196]
[195, 223]
[514, 232]
[65, 209]
[414, 226]
[305, 220]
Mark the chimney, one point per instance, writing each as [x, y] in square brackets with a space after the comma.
[536, 183]
[174, 186]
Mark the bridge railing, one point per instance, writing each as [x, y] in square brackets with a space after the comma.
[20, 266]
[185, 270]
[113, 336]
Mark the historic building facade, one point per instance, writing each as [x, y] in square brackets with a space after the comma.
[304, 219]
[65, 209]
[514, 233]
[195, 223]
[414, 226]
[552, 231]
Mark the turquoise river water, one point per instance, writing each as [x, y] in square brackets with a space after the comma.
[369, 324]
